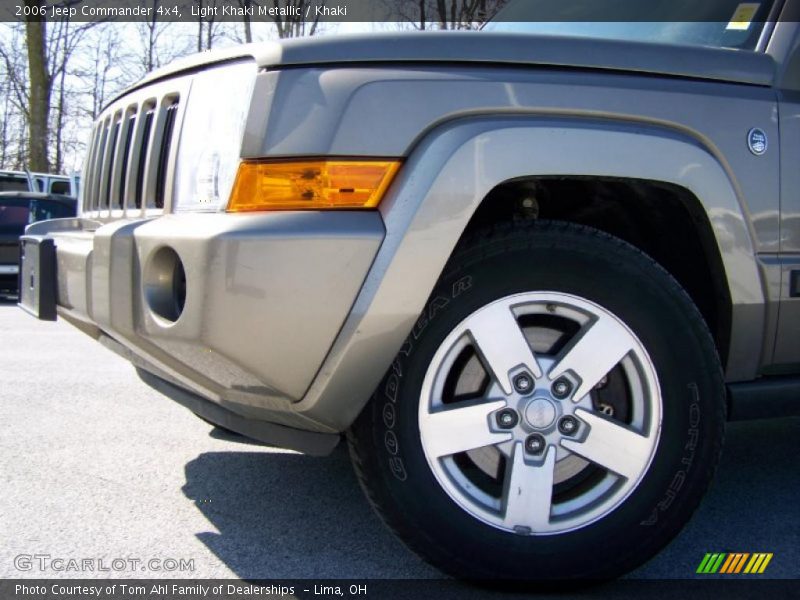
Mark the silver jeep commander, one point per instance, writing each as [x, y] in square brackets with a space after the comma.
[528, 271]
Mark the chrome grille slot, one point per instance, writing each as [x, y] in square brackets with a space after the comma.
[98, 167]
[108, 165]
[143, 151]
[126, 154]
[86, 188]
[161, 175]
[121, 132]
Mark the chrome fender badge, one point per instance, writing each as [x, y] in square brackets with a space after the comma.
[757, 141]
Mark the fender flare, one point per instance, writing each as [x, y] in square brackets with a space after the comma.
[447, 175]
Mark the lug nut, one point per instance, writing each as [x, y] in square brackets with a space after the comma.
[568, 425]
[507, 418]
[561, 388]
[523, 383]
[535, 444]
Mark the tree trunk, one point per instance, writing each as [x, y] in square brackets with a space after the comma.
[248, 30]
[4, 132]
[59, 162]
[40, 87]
[151, 39]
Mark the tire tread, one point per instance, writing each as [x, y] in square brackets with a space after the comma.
[480, 245]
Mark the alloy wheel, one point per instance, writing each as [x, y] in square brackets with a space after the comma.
[540, 413]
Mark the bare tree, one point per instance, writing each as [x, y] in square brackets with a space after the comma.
[14, 75]
[159, 47]
[444, 14]
[7, 115]
[40, 82]
[36, 88]
[4, 121]
[21, 158]
[151, 31]
[101, 53]
[61, 107]
[295, 26]
[99, 70]
[62, 42]
[207, 24]
[246, 5]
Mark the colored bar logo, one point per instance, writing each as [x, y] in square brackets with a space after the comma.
[733, 563]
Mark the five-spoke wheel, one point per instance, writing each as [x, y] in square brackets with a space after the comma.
[510, 413]
[556, 414]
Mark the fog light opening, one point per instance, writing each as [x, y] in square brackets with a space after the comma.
[165, 284]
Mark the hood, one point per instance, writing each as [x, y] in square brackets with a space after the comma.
[483, 47]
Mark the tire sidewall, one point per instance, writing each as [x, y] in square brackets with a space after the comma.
[651, 304]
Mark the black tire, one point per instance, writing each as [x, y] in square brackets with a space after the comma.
[387, 451]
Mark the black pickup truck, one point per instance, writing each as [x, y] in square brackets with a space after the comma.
[17, 211]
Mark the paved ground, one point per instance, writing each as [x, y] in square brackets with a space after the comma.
[93, 464]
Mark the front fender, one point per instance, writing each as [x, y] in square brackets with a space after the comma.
[448, 174]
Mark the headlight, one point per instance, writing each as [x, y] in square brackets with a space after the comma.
[211, 138]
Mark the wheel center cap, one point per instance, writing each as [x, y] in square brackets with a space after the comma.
[540, 413]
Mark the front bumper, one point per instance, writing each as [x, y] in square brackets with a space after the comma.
[265, 297]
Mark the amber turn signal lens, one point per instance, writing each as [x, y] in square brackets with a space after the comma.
[310, 185]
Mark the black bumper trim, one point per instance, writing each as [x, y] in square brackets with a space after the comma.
[308, 442]
[313, 443]
[765, 398]
[37, 277]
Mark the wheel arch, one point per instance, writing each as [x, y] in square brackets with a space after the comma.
[449, 175]
[644, 213]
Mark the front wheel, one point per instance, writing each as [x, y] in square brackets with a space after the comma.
[557, 412]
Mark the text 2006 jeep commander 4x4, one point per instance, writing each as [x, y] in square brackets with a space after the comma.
[528, 275]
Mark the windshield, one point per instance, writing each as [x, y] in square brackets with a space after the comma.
[13, 183]
[42, 210]
[717, 23]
